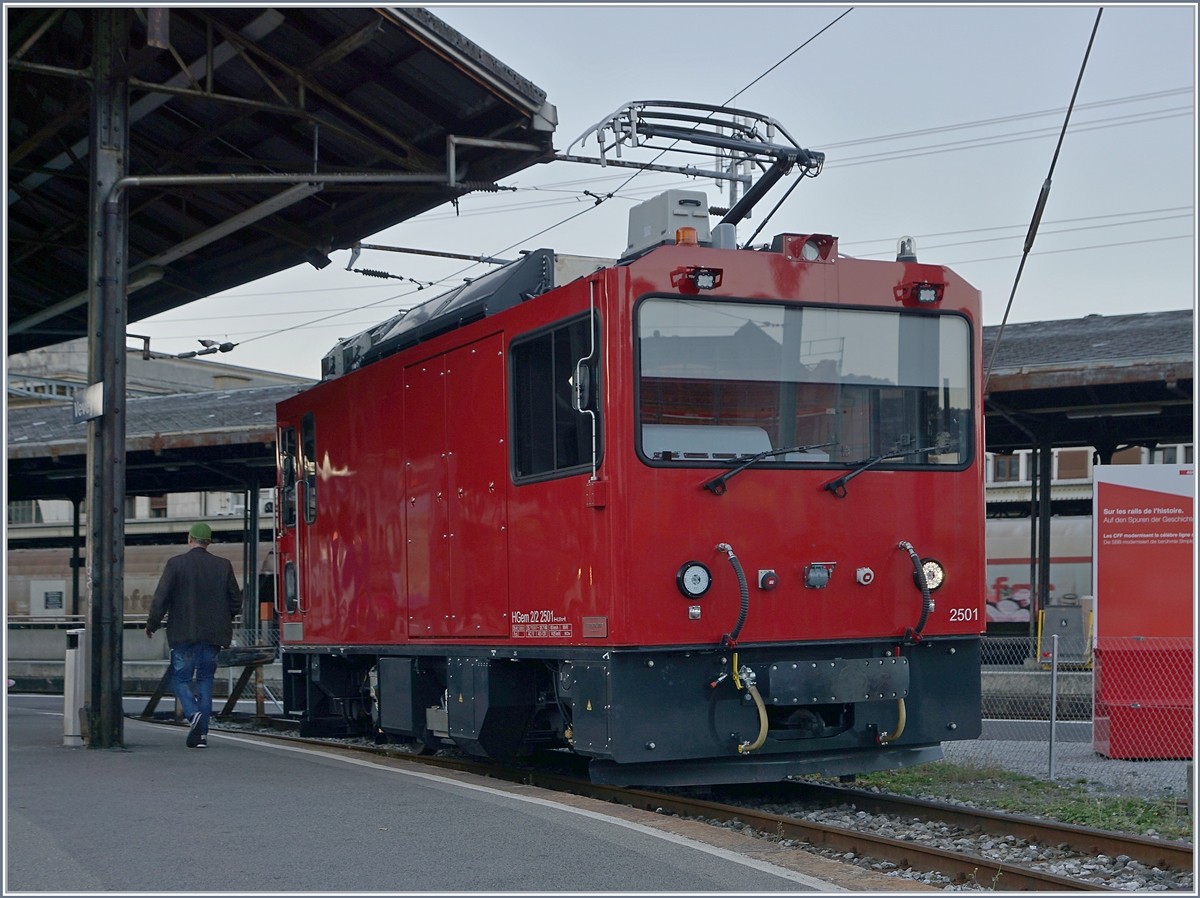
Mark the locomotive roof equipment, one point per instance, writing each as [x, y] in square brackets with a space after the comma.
[664, 124]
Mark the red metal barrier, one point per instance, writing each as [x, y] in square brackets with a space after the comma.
[1144, 697]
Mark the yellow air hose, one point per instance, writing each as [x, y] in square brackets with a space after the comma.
[901, 717]
[747, 747]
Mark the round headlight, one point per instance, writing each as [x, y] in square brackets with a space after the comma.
[935, 574]
[693, 579]
[810, 251]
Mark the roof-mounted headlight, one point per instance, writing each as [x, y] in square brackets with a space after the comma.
[695, 278]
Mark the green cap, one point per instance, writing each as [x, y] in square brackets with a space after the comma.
[201, 531]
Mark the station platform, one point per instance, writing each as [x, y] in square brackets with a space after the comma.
[250, 815]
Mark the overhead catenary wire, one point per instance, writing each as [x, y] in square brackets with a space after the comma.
[582, 211]
[733, 97]
[318, 323]
[284, 330]
[1183, 212]
[628, 193]
[1074, 249]
[1075, 230]
[1017, 137]
[375, 321]
[938, 129]
[1186, 212]
[1016, 117]
[1041, 202]
[789, 56]
[870, 159]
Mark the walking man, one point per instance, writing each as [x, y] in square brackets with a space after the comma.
[199, 596]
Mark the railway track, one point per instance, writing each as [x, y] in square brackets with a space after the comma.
[1085, 840]
[956, 865]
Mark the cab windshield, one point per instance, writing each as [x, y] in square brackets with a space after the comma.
[725, 380]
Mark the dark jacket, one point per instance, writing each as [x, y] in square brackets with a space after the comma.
[200, 597]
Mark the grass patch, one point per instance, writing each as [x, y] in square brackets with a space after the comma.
[1068, 801]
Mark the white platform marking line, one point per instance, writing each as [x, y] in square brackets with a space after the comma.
[762, 866]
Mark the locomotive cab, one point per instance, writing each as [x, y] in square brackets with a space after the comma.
[705, 514]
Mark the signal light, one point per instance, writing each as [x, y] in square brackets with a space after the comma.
[686, 237]
[922, 293]
[694, 278]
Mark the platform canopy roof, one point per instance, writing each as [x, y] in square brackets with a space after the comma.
[244, 90]
[1105, 381]
[181, 442]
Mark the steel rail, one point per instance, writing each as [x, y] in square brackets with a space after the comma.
[1160, 853]
[958, 866]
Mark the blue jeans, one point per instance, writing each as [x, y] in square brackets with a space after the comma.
[200, 659]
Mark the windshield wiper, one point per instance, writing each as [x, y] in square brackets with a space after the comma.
[716, 486]
[838, 487]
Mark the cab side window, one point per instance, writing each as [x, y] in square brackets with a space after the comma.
[550, 433]
[308, 446]
[287, 468]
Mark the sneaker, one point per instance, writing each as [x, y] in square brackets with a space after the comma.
[203, 742]
[194, 735]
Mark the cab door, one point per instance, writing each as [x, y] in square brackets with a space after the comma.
[307, 557]
[297, 513]
[287, 515]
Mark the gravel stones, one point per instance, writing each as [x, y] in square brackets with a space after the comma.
[1118, 873]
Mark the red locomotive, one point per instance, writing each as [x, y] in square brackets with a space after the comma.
[703, 515]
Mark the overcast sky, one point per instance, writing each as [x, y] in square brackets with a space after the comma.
[938, 122]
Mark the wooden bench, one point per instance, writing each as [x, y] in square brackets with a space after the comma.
[248, 657]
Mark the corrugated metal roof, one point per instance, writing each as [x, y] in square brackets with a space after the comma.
[1104, 381]
[189, 414]
[1160, 336]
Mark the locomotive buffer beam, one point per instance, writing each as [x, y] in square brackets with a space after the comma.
[840, 680]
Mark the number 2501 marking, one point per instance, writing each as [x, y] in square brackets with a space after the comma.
[959, 614]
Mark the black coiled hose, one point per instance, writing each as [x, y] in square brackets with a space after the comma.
[730, 639]
[914, 634]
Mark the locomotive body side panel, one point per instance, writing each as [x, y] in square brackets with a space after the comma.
[426, 506]
[346, 538]
[456, 500]
[418, 463]
[476, 461]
